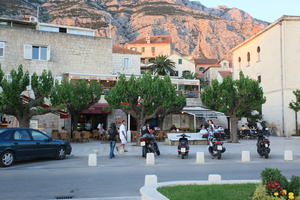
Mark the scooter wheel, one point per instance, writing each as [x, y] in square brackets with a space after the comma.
[182, 156]
[219, 156]
[266, 156]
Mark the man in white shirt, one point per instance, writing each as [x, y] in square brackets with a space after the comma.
[123, 135]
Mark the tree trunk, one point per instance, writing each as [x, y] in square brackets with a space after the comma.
[24, 122]
[296, 117]
[74, 122]
[233, 131]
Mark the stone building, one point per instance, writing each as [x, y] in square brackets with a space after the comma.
[272, 57]
[60, 49]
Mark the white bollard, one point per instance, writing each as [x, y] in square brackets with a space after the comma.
[288, 155]
[200, 158]
[150, 159]
[245, 156]
[214, 178]
[92, 160]
[150, 180]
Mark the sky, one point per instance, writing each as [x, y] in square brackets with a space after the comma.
[267, 10]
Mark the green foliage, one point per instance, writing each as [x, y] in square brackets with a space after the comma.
[76, 96]
[11, 102]
[294, 185]
[162, 66]
[145, 97]
[261, 194]
[188, 75]
[271, 174]
[207, 192]
[295, 105]
[234, 97]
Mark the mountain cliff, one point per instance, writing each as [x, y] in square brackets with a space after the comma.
[195, 29]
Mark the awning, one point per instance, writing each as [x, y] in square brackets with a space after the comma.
[97, 108]
[202, 112]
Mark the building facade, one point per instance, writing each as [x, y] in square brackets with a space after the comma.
[125, 61]
[272, 57]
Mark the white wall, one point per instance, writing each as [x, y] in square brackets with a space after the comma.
[185, 66]
[134, 63]
[278, 78]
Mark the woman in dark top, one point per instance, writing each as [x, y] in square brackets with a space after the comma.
[112, 133]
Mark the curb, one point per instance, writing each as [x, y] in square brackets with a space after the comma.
[151, 193]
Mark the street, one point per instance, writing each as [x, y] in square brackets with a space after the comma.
[124, 175]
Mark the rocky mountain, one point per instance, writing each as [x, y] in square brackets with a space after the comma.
[195, 29]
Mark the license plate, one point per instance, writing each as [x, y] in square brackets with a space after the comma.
[266, 145]
[219, 147]
[182, 150]
[143, 144]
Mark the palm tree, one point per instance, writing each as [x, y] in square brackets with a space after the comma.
[162, 66]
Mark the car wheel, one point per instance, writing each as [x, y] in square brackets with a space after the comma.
[61, 153]
[7, 159]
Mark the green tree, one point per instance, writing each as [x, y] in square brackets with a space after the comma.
[76, 96]
[12, 100]
[234, 98]
[162, 66]
[188, 75]
[145, 97]
[295, 105]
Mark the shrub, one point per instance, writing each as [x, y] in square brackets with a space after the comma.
[270, 174]
[277, 186]
[294, 185]
[261, 194]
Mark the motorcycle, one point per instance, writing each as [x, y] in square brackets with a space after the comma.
[263, 146]
[183, 146]
[149, 144]
[215, 147]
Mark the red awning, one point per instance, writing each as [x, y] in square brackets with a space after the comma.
[97, 108]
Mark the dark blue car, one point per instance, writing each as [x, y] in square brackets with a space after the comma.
[27, 143]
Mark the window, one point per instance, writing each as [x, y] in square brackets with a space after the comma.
[259, 79]
[143, 49]
[180, 61]
[38, 135]
[133, 48]
[175, 73]
[22, 135]
[62, 30]
[6, 135]
[2, 46]
[125, 62]
[248, 57]
[36, 52]
[153, 49]
[201, 69]
[239, 59]
[258, 53]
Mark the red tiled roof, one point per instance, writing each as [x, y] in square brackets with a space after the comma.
[225, 73]
[159, 39]
[206, 61]
[121, 50]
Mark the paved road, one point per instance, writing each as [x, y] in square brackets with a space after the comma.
[123, 176]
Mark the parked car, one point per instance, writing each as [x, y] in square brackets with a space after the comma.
[27, 143]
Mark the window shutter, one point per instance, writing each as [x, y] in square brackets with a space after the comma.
[28, 51]
[48, 53]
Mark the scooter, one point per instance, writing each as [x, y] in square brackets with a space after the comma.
[263, 146]
[215, 147]
[149, 144]
[183, 146]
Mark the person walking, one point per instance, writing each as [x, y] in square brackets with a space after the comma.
[123, 136]
[112, 133]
